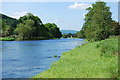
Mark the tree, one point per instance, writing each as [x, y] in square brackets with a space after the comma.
[6, 30]
[115, 28]
[64, 35]
[0, 27]
[8, 20]
[7, 25]
[80, 34]
[31, 26]
[69, 35]
[26, 29]
[97, 22]
[53, 30]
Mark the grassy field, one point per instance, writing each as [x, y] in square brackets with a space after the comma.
[91, 60]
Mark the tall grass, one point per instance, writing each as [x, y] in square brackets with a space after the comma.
[109, 46]
[86, 62]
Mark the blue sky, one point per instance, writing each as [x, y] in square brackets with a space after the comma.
[67, 15]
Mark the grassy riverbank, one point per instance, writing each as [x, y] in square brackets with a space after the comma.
[6, 39]
[22, 39]
[91, 60]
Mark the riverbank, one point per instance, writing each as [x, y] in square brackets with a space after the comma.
[6, 39]
[23, 39]
[91, 60]
[41, 53]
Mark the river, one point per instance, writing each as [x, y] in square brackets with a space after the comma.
[24, 59]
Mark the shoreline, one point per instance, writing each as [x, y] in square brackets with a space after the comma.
[84, 61]
[13, 39]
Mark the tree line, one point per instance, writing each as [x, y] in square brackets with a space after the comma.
[98, 26]
[28, 27]
[98, 23]
[69, 35]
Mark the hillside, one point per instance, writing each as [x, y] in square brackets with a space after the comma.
[68, 31]
[8, 20]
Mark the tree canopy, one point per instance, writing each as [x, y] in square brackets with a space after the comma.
[8, 20]
[30, 26]
[7, 25]
[53, 30]
[98, 23]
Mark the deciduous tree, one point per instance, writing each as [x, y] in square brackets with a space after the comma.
[97, 22]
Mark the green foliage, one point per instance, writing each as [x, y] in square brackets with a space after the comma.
[115, 28]
[85, 62]
[80, 34]
[6, 39]
[69, 35]
[25, 29]
[64, 35]
[53, 30]
[98, 22]
[7, 25]
[109, 46]
[31, 26]
[7, 30]
[55, 56]
[8, 20]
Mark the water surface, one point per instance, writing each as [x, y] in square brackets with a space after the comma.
[24, 59]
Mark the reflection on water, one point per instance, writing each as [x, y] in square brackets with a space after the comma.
[24, 59]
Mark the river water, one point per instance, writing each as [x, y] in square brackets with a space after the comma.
[25, 59]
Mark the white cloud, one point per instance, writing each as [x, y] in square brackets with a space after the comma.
[18, 14]
[81, 6]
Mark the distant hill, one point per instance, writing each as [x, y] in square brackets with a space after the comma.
[68, 31]
[8, 20]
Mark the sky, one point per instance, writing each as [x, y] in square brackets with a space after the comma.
[67, 15]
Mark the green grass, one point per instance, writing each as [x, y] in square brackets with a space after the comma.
[6, 39]
[25, 38]
[86, 61]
